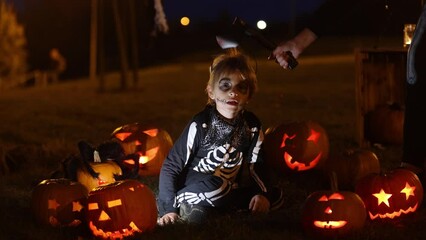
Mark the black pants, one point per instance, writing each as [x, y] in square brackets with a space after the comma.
[414, 145]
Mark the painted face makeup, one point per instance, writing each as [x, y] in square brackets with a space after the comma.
[226, 84]
[231, 94]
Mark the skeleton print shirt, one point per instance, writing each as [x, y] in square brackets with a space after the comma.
[212, 157]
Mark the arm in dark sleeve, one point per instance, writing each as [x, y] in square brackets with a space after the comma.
[172, 168]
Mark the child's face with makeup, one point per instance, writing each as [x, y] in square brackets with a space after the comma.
[230, 93]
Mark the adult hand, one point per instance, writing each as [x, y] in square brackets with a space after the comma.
[259, 204]
[168, 218]
[295, 45]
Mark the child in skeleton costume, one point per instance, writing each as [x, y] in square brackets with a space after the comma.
[214, 163]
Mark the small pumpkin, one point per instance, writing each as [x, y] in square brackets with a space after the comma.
[152, 144]
[59, 202]
[105, 173]
[391, 194]
[296, 146]
[385, 124]
[333, 213]
[351, 165]
[121, 209]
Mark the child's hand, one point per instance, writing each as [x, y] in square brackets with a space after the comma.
[168, 218]
[259, 204]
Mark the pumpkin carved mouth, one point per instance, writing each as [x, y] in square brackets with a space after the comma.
[330, 224]
[299, 166]
[393, 214]
[118, 234]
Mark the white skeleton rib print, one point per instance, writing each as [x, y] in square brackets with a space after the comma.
[223, 162]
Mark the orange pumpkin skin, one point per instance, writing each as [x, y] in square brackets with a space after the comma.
[296, 146]
[390, 195]
[59, 202]
[385, 124]
[121, 209]
[150, 143]
[107, 172]
[352, 165]
[333, 213]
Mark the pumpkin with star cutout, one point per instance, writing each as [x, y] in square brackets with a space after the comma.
[59, 202]
[296, 146]
[152, 144]
[333, 213]
[121, 209]
[391, 194]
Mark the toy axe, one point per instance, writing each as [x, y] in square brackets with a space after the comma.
[241, 29]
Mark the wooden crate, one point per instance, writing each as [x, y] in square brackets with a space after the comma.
[380, 77]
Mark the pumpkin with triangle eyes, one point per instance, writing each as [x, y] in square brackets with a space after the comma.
[121, 209]
[333, 213]
[152, 144]
[296, 146]
[391, 194]
[59, 202]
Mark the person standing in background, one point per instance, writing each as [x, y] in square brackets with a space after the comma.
[334, 15]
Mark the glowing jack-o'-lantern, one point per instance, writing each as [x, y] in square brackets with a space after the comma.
[296, 146]
[390, 195]
[59, 202]
[333, 213]
[121, 209]
[151, 144]
[106, 172]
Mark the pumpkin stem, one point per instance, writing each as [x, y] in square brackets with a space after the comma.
[333, 181]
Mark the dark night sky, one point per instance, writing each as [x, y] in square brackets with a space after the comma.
[250, 10]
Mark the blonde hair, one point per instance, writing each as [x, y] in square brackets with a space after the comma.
[231, 62]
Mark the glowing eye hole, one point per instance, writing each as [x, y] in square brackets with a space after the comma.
[314, 136]
[114, 203]
[76, 206]
[122, 136]
[408, 190]
[323, 199]
[92, 206]
[328, 210]
[336, 196]
[285, 138]
[151, 132]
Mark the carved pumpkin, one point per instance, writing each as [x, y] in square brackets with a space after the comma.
[333, 213]
[121, 209]
[352, 165]
[107, 172]
[390, 195]
[296, 146]
[59, 202]
[385, 124]
[150, 143]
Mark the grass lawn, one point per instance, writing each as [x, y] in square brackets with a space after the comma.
[41, 126]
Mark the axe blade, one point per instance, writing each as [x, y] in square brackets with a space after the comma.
[226, 42]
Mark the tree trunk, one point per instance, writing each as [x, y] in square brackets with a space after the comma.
[121, 45]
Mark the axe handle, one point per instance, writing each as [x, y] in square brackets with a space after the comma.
[267, 43]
